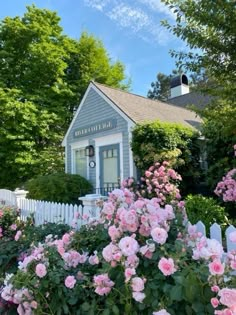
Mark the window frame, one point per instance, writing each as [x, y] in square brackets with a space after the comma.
[75, 147]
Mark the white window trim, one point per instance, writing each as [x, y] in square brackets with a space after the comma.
[76, 146]
[109, 140]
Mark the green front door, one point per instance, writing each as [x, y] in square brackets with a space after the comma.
[109, 167]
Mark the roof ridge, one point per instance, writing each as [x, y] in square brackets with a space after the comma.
[137, 95]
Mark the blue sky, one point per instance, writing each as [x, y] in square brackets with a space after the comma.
[130, 30]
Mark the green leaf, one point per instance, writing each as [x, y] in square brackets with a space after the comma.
[106, 312]
[115, 310]
[85, 306]
[176, 293]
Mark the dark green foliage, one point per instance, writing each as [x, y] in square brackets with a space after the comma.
[161, 141]
[60, 187]
[205, 209]
[93, 237]
[209, 32]
[219, 129]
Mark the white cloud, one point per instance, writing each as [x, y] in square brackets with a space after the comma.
[129, 17]
[141, 17]
[158, 7]
[97, 4]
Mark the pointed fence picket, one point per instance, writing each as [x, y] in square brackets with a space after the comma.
[7, 197]
[43, 212]
[216, 233]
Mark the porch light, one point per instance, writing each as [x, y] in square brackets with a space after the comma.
[89, 151]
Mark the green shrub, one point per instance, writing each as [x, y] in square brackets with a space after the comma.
[60, 187]
[161, 141]
[205, 209]
[91, 237]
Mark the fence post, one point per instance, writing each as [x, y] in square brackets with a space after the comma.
[20, 194]
[90, 207]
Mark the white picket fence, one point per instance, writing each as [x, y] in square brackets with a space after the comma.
[216, 233]
[7, 197]
[43, 212]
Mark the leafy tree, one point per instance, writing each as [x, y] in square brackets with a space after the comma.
[90, 61]
[25, 136]
[209, 31]
[43, 76]
[160, 89]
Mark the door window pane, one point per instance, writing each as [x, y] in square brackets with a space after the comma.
[81, 162]
[109, 153]
[110, 171]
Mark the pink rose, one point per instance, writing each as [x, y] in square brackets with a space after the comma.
[159, 235]
[41, 270]
[216, 267]
[137, 284]
[227, 297]
[129, 272]
[111, 252]
[103, 284]
[138, 296]
[61, 250]
[215, 288]
[13, 227]
[148, 174]
[94, 260]
[70, 282]
[108, 209]
[166, 266]
[214, 302]
[128, 245]
[66, 238]
[113, 232]
[34, 304]
[18, 235]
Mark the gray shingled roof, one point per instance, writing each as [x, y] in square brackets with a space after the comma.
[141, 109]
[193, 98]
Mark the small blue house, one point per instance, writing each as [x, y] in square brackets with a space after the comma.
[97, 143]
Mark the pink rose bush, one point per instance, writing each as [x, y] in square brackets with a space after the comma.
[142, 257]
[9, 222]
[227, 187]
[160, 181]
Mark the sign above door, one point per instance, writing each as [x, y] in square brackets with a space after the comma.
[95, 128]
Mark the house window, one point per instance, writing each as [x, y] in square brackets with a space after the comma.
[80, 162]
